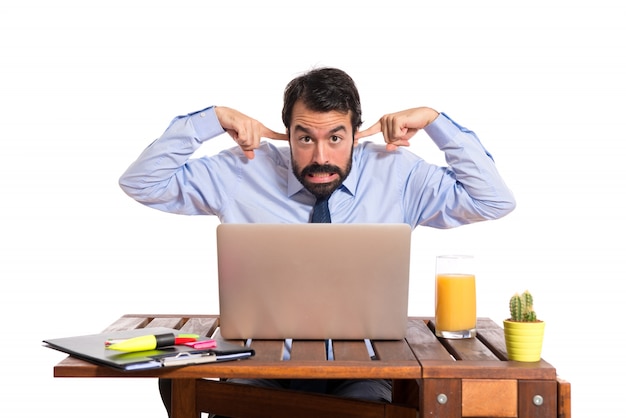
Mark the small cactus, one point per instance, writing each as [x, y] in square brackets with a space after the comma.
[521, 307]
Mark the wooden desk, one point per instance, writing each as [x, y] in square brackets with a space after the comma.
[440, 378]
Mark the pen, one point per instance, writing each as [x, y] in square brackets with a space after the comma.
[149, 342]
[183, 359]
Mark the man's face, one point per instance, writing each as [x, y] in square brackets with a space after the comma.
[321, 148]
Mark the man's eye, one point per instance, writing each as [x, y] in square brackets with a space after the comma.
[335, 139]
[306, 139]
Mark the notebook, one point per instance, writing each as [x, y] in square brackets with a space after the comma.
[313, 281]
[92, 348]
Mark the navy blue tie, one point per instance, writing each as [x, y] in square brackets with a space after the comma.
[321, 214]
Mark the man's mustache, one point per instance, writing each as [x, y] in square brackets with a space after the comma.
[320, 168]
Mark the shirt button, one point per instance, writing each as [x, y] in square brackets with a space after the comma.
[202, 114]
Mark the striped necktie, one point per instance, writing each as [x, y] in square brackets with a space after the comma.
[321, 214]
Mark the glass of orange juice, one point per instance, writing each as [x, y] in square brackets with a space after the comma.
[455, 297]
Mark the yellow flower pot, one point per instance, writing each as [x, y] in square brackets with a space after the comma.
[524, 340]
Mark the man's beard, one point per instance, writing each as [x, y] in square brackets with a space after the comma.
[321, 189]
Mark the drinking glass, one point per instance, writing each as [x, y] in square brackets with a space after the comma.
[455, 297]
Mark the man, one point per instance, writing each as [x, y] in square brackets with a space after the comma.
[364, 183]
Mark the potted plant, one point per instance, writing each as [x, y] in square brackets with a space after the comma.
[523, 332]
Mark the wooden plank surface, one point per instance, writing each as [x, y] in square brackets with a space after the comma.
[308, 351]
[487, 370]
[423, 343]
[440, 358]
[125, 323]
[564, 396]
[226, 399]
[391, 351]
[456, 368]
[351, 351]
[538, 399]
[489, 398]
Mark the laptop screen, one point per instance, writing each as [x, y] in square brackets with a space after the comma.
[313, 281]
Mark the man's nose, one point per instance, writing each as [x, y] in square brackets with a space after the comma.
[320, 155]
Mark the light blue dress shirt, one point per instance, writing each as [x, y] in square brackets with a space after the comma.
[383, 186]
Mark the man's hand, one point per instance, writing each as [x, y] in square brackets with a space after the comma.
[246, 132]
[399, 127]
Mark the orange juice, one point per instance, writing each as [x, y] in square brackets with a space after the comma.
[455, 302]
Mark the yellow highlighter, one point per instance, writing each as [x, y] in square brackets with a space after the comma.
[149, 342]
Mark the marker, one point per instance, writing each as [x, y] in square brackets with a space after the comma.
[201, 345]
[149, 342]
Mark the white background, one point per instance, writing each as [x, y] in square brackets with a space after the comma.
[85, 88]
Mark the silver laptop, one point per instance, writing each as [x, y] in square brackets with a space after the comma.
[313, 281]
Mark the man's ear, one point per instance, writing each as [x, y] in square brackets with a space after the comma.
[355, 140]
